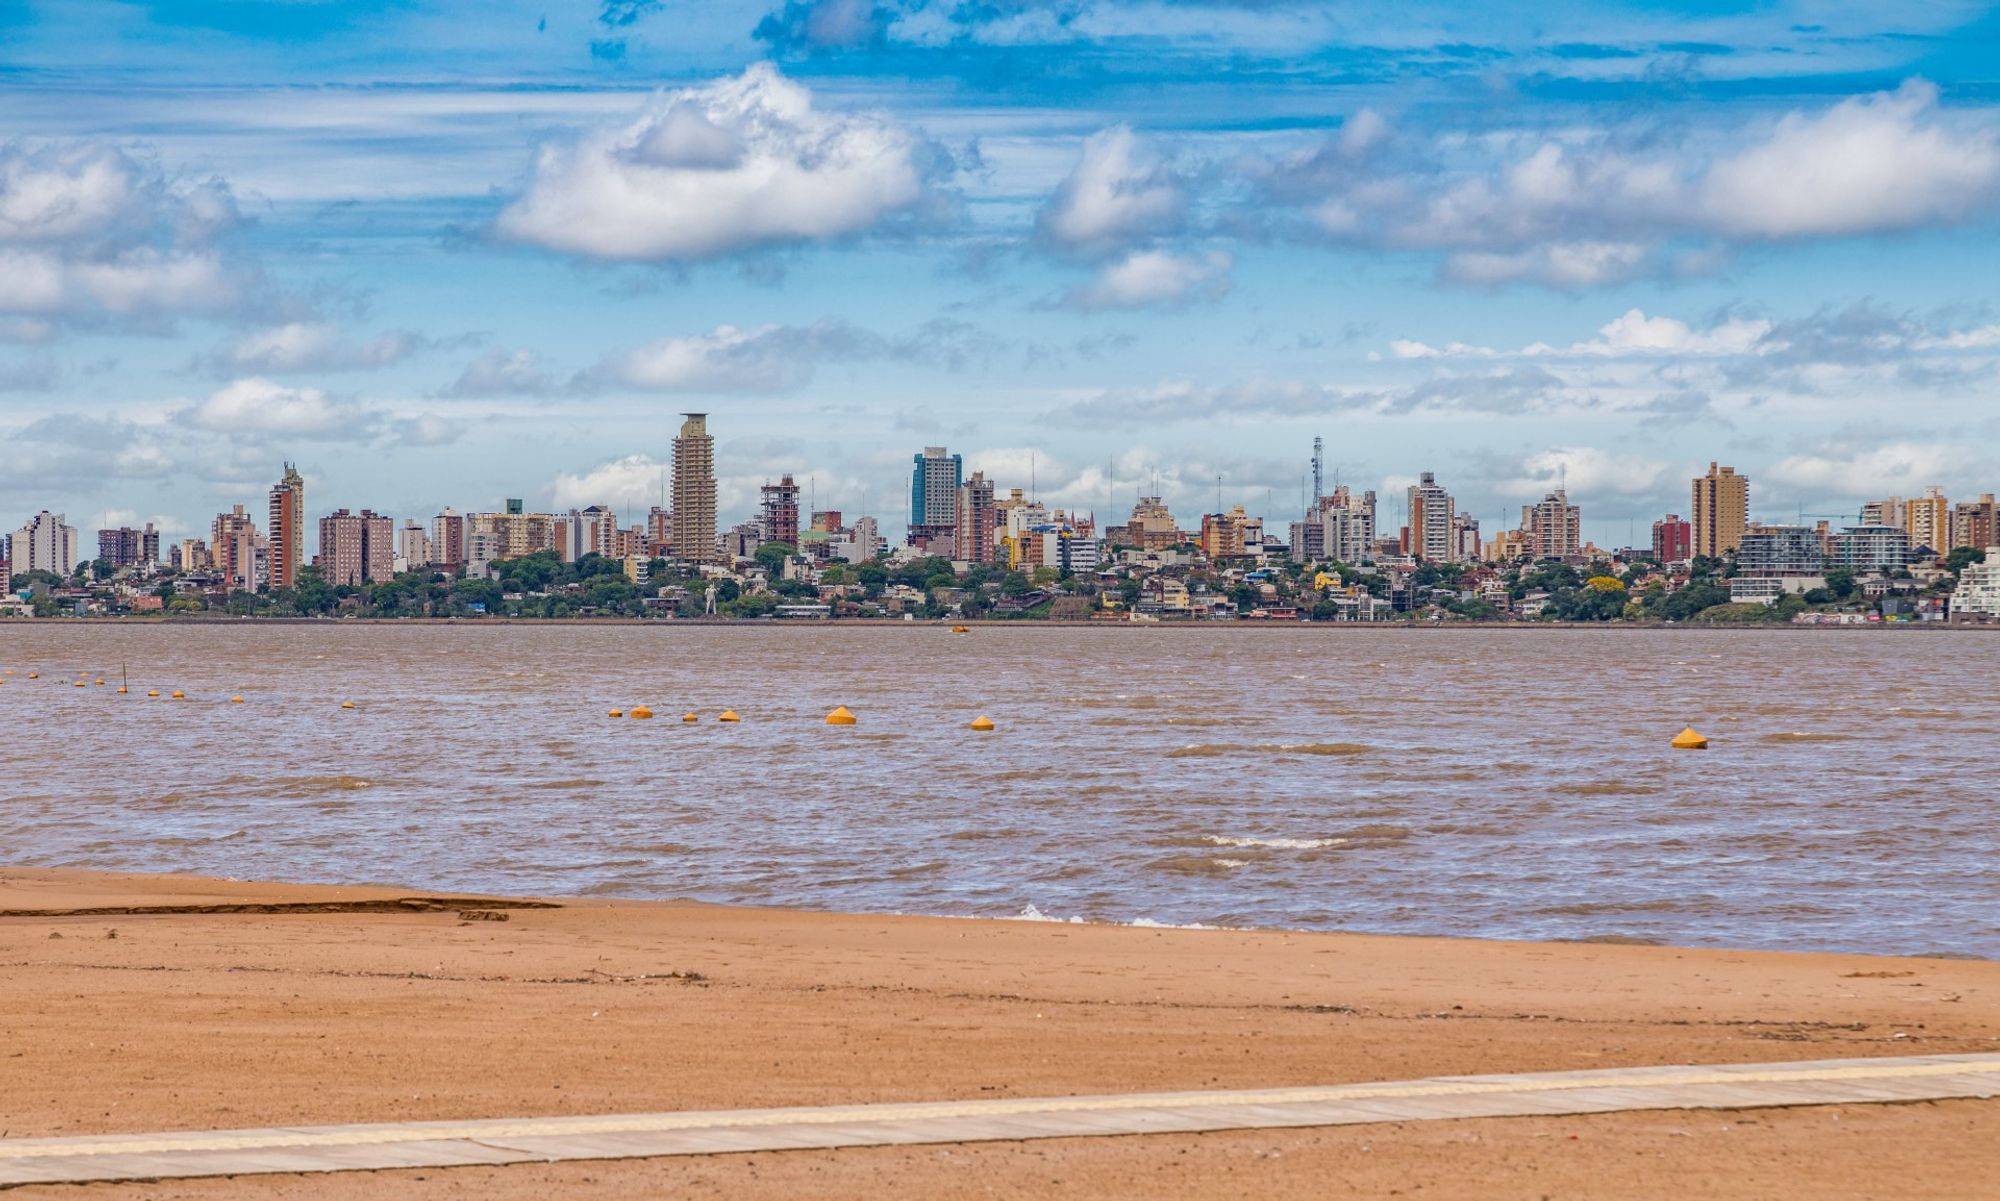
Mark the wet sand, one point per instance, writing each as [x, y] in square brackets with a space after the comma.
[358, 1008]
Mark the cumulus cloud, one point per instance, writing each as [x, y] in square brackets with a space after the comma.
[1588, 208]
[1585, 470]
[779, 358]
[1867, 165]
[260, 406]
[743, 162]
[500, 372]
[1154, 278]
[1901, 467]
[1632, 334]
[1119, 192]
[89, 230]
[311, 346]
[630, 484]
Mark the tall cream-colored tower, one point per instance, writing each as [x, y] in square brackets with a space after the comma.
[1721, 511]
[694, 491]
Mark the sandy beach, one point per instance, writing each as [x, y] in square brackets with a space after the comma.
[134, 1003]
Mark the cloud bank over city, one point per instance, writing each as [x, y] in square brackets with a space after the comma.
[443, 254]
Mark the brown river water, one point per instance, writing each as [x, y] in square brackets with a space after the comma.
[1491, 783]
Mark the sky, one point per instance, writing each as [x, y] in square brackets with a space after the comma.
[444, 252]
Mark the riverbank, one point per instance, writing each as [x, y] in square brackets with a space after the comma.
[158, 1002]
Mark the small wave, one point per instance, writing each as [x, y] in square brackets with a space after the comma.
[1214, 750]
[1805, 736]
[1196, 865]
[1281, 844]
[566, 784]
[307, 786]
[1031, 914]
[1608, 788]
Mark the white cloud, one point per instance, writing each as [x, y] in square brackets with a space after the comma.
[259, 406]
[1154, 277]
[743, 162]
[1118, 192]
[1631, 335]
[90, 228]
[726, 359]
[499, 372]
[1894, 468]
[628, 485]
[312, 346]
[1585, 470]
[1561, 265]
[1867, 165]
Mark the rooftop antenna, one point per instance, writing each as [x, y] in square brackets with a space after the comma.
[1032, 492]
[1319, 469]
[1218, 496]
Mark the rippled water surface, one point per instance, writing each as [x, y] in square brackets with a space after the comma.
[1491, 782]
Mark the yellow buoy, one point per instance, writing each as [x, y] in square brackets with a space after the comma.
[122, 690]
[152, 692]
[34, 675]
[690, 717]
[343, 704]
[840, 717]
[618, 713]
[961, 629]
[100, 683]
[982, 722]
[179, 695]
[728, 715]
[1689, 740]
[641, 712]
[79, 683]
[235, 700]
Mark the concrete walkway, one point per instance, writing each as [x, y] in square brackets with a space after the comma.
[539, 1140]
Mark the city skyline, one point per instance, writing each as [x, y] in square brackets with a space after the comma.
[437, 258]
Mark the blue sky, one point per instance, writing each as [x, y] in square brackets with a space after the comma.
[446, 253]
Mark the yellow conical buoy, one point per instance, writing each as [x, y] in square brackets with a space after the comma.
[1689, 740]
[690, 717]
[961, 629]
[100, 683]
[235, 700]
[122, 690]
[79, 683]
[152, 692]
[34, 675]
[343, 704]
[179, 695]
[727, 715]
[982, 722]
[641, 712]
[618, 713]
[840, 717]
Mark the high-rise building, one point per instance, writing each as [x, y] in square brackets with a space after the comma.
[694, 491]
[1928, 519]
[591, 531]
[287, 530]
[977, 519]
[238, 551]
[1871, 548]
[1554, 527]
[1431, 510]
[1721, 511]
[1222, 533]
[413, 547]
[191, 554]
[125, 546]
[44, 544]
[1464, 538]
[1780, 550]
[934, 484]
[778, 511]
[356, 548]
[1347, 524]
[1888, 511]
[514, 533]
[1975, 523]
[448, 539]
[1673, 539]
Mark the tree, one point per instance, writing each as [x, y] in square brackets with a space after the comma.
[1963, 557]
[312, 594]
[773, 555]
[833, 575]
